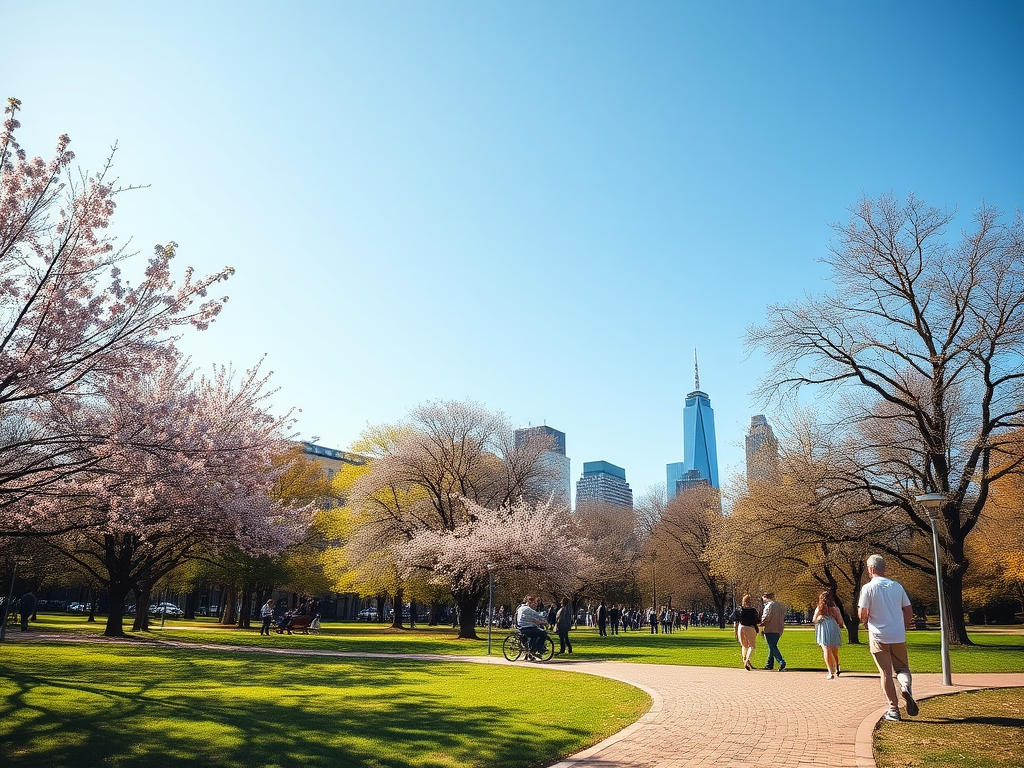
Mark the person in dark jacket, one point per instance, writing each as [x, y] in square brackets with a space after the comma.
[746, 621]
[26, 607]
[563, 623]
[602, 620]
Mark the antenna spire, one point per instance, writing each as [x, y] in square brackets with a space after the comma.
[696, 373]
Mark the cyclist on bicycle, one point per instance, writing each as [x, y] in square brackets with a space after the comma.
[530, 623]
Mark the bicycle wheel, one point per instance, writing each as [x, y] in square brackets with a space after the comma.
[549, 650]
[512, 649]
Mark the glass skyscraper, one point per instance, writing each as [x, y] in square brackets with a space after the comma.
[700, 450]
[554, 482]
[762, 451]
[603, 483]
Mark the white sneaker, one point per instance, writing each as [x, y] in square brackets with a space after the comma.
[893, 715]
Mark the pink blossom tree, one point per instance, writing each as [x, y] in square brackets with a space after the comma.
[188, 468]
[69, 319]
[532, 547]
[432, 474]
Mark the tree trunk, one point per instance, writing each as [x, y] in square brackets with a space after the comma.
[245, 607]
[956, 626]
[396, 620]
[432, 621]
[143, 594]
[115, 619]
[92, 603]
[720, 600]
[467, 616]
[229, 607]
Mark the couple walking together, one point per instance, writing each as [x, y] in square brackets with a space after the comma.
[772, 620]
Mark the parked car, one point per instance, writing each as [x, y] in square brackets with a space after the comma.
[79, 607]
[368, 614]
[166, 609]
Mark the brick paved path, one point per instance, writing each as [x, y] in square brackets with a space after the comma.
[705, 715]
[708, 715]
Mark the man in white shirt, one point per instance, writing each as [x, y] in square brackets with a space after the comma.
[884, 609]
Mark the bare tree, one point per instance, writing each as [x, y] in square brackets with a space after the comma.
[918, 354]
[681, 538]
[422, 473]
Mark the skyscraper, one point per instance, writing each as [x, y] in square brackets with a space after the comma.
[556, 478]
[762, 450]
[700, 450]
[603, 483]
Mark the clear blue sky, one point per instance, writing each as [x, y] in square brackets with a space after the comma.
[543, 206]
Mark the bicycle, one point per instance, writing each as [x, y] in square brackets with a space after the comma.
[517, 644]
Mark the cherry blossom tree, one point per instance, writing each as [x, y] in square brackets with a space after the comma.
[69, 319]
[189, 467]
[533, 546]
[427, 472]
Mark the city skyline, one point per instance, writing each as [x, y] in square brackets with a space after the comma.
[539, 207]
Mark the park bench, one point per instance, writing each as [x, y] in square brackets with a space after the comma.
[301, 624]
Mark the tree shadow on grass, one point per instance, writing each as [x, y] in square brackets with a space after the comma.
[330, 714]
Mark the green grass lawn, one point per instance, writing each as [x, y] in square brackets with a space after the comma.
[150, 704]
[994, 651]
[103, 705]
[977, 729]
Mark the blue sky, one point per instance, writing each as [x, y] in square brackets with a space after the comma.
[542, 206]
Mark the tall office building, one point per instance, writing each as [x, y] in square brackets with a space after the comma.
[555, 480]
[603, 483]
[762, 451]
[700, 449]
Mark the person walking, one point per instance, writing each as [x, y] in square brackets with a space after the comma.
[267, 614]
[827, 623]
[745, 620]
[885, 610]
[773, 623]
[602, 620]
[615, 615]
[26, 607]
[563, 623]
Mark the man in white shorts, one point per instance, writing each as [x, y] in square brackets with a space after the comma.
[884, 609]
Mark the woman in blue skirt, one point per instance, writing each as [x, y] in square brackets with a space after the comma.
[827, 623]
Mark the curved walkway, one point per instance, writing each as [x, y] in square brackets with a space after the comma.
[706, 715]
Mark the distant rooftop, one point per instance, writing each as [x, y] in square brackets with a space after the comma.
[597, 467]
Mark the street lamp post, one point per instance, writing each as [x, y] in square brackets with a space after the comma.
[932, 502]
[490, 604]
[654, 581]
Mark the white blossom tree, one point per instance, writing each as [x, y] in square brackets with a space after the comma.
[69, 318]
[426, 472]
[533, 546]
[189, 466]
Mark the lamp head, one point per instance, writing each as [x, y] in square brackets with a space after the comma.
[931, 502]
